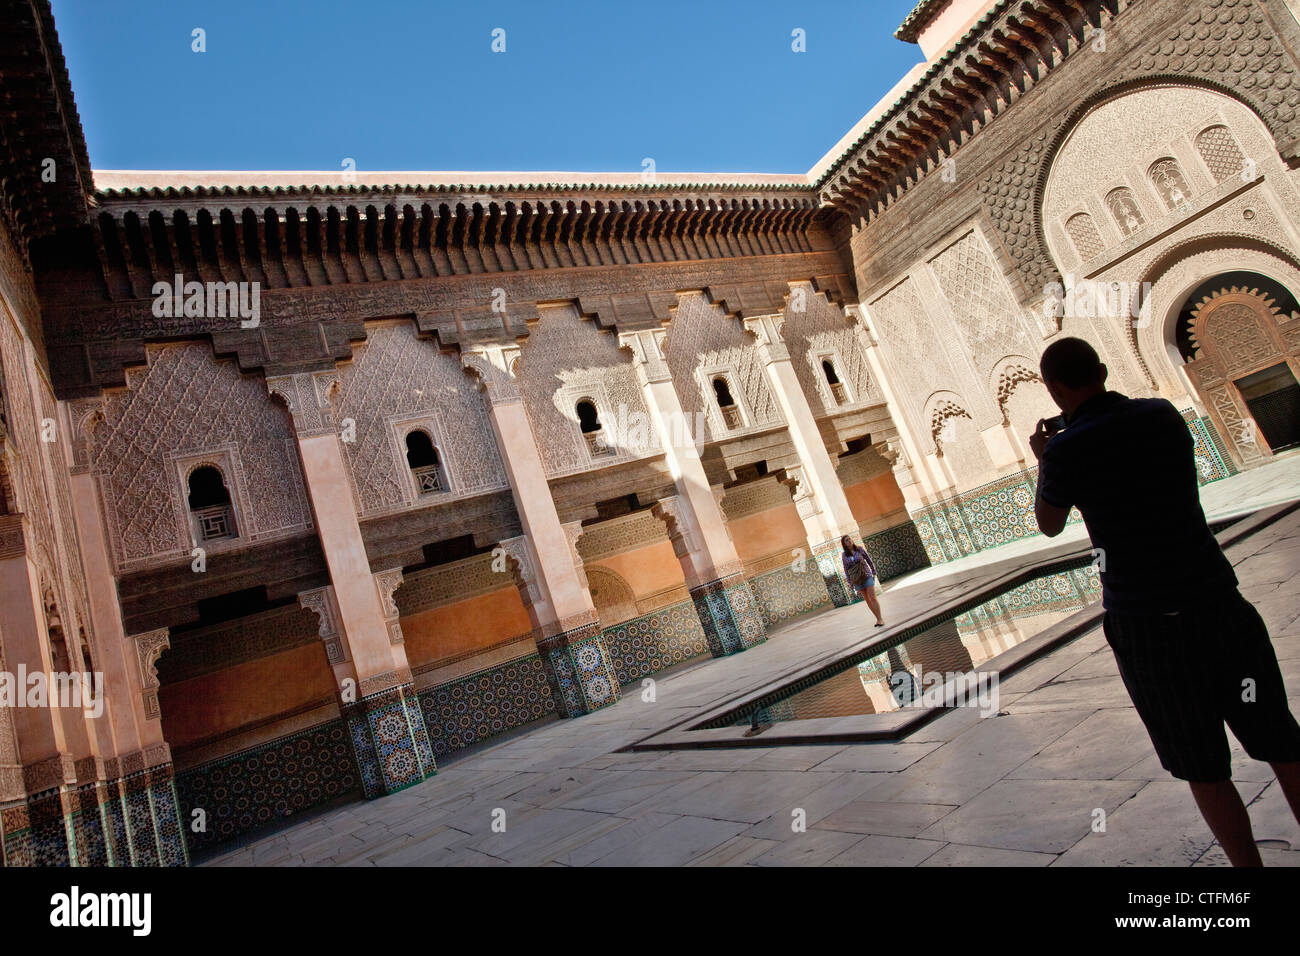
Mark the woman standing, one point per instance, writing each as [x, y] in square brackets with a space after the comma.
[861, 572]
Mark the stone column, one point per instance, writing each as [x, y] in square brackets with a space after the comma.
[567, 628]
[36, 832]
[714, 574]
[141, 813]
[823, 506]
[376, 690]
[919, 493]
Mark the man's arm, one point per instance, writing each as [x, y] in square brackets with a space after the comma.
[1051, 517]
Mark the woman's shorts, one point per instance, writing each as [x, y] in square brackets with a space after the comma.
[870, 582]
[1190, 673]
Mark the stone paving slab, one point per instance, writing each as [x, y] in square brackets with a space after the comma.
[1160, 826]
[1017, 789]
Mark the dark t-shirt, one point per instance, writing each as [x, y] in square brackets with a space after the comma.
[1127, 465]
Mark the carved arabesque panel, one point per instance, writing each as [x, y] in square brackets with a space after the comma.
[702, 337]
[395, 375]
[820, 328]
[185, 400]
[913, 356]
[982, 306]
[565, 359]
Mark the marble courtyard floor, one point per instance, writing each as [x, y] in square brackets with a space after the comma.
[1020, 788]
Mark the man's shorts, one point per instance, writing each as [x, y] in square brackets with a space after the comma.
[1190, 673]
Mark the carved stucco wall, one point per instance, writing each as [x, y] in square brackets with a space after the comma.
[38, 488]
[564, 360]
[1229, 42]
[920, 366]
[186, 404]
[395, 382]
[957, 348]
[985, 313]
[1116, 143]
[820, 328]
[702, 340]
[1229, 221]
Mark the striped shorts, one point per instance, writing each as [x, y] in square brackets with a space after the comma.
[1190, 673]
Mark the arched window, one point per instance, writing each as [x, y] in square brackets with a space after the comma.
[1220, 152]
[422, 459]
[1125, 209]
[1167, 177]
[727, 404]
[1084, 235]
[589, 422]
[833, 380]
[209, 499]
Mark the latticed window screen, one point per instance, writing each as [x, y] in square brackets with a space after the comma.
[1084, 235]
[426, 467]
[215, 522]
[429, 479]
[1221, 153]
[1167, 177]
[1125, 209]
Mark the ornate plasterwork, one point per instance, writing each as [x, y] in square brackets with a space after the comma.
[452, 582]
[754, 497]
[1219, 150]
[1171, 288]
[568, 359]
[84, 414]
[495, 369]
[1019, 391]
[225, 459]
[671, 511]
[322, 603]
[825, 330]
[396, 380]
[702, 343]
[1143, 160]
[148, 648]
[613, 597]
[308, 397]
[983, 308]
[573, 532]
[13, 537]
[519, 559]
[185, 403]
[617, 535]
[646, 346]
[916, 361]
[957, 440]
[386, 582]
[865, 465]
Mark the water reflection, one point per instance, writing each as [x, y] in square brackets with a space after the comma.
[898, 677]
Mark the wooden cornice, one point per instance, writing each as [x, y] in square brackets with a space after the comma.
[1009, 51]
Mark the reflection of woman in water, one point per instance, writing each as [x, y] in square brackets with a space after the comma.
[861, 572]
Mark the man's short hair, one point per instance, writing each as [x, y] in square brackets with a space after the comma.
[1071, 362]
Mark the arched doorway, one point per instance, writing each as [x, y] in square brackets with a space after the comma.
[1239, 334]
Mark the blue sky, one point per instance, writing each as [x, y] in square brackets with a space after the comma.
[414, 84]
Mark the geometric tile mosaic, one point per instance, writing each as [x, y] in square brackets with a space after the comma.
[897, 550]
[578, 668]
[1212, 460]
[1003, 510]
[270, 782]
[730, 615]
[389, 741]
[784, 594]
[654, 642]
[469, 710]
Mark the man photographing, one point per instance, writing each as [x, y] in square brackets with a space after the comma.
[1193, 653]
